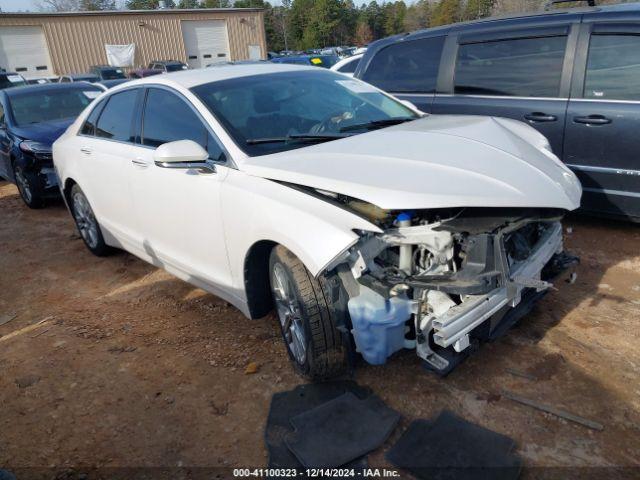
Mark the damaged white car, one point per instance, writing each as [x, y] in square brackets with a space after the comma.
[369, 226]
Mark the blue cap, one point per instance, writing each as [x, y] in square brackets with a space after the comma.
[403, 217]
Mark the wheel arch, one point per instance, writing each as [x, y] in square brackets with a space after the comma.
[257, 284]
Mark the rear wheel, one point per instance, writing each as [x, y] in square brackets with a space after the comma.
[29, 186]
[307, 321]
[88, 226]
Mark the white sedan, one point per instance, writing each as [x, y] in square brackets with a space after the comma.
[347, 66]
[369, 226]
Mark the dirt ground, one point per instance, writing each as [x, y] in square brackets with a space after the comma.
[110, 362]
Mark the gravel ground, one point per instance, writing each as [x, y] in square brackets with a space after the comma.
[112, 363]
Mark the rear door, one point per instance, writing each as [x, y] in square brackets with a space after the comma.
[407, 69]
[520, 72]
[603, 118]
[106, 143]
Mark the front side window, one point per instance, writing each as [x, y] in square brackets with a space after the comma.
[281, 111]
[406, 67]
[613, 68]
[116, 119]
[524, 67]
[44, 105]
[167, 118]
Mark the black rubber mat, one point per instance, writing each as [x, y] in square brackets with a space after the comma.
[286, 405]
[341, 430]
[452, 448]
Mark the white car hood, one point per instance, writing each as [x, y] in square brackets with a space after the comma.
[439, 161]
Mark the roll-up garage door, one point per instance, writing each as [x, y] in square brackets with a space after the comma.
[24, 50]
[205, 42]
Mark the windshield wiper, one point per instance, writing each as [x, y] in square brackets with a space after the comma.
[387, 122]
[294, 138]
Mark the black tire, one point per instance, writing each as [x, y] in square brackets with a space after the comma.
[325, 356]
[29, 186]
[88, 227]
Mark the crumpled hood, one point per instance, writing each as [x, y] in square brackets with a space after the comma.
[439, 161]
[44, 132]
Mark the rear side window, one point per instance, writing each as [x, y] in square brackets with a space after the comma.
[406, 67]
[116, 120]
[350, 67]
[613, 68]
[89, 127]
[525, 67]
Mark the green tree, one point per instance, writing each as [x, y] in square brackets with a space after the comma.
[394, 15]
[147, 4]
[418, 16]
[216, 4]
[189, 4]
[92, 5]
[477, 9]
[446, 12]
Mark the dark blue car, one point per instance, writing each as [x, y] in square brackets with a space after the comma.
[31, 119]
[574, 75]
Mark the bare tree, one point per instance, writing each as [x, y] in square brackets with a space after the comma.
[57, 5]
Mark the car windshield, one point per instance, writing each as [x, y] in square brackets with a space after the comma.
[112, 73]
[174, 67]
[12, 80]
[282, 111]
[49, 105]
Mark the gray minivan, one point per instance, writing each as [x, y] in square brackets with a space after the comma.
[572, 74]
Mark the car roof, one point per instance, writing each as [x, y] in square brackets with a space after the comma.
[49, 86]
[193, 78]
[505, 20]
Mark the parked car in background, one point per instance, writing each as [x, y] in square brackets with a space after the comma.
[573, 75]
[355, 215]
[324, 61]
[32, 118]
[112, 83]
[168, 66]
[11, 79]
[347, 66]
[79, 77]
[106, 72]
[38, 81]
[144, 72]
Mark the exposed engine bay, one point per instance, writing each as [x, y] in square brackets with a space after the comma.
[442, 281]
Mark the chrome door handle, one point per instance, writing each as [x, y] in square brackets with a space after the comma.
[86, 150]
[140, 162]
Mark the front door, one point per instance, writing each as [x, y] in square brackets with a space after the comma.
[178, 209]
[602, 144]
[519, 74]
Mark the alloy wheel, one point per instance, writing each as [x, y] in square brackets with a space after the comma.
[23, 185]
[87, 224]
[289, 314]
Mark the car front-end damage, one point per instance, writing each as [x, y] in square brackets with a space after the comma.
[441, 281]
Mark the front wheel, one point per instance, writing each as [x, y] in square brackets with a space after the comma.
[29, 186]
[307, 321]
[88, 226]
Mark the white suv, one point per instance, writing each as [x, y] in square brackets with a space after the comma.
[368, 225]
